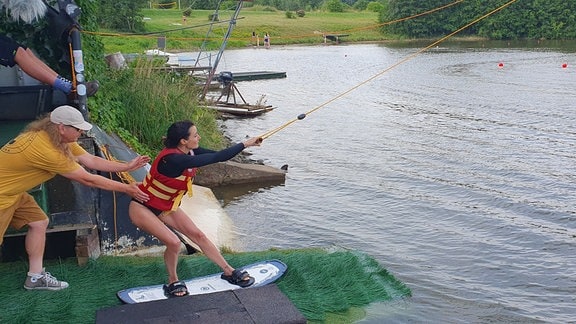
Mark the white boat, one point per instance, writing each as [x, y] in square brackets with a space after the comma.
[171, 59]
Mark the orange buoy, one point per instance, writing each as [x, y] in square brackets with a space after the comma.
[564, 65]
[500, 65]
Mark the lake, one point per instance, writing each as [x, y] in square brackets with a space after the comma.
[455, 168]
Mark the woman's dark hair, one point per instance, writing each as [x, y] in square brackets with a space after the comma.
[176, 132]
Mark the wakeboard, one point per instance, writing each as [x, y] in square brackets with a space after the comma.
[264, 272]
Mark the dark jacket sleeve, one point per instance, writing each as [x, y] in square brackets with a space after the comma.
[172, 165]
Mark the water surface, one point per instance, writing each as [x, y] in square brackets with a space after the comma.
[456, 170]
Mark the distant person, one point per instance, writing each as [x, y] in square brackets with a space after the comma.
[48, 147]
[267, 40]
[253, 38]
[168, 180]
[12, 53]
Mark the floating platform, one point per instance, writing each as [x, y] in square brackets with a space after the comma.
[241, 110]
[257, 75]
[265, 304]
[238, 76]
[250, 76]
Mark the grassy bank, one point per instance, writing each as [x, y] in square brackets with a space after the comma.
[189, 35]
[325, 286]
[140, 103]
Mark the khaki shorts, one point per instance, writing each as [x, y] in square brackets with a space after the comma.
[25, 210]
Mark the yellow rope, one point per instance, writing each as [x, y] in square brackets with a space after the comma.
[301, 116]
[126, 177]
[106, 153]
[164, 5]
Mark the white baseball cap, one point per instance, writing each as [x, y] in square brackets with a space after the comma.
[68, 115]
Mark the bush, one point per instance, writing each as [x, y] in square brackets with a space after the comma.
[375, 7]
[300, 13]
[290, 15]
[121, 15]
[187, 12]
[360, 5]
[334, 6]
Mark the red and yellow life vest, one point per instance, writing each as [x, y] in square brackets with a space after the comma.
[165, 192]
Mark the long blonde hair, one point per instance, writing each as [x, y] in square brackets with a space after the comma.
[44, 124]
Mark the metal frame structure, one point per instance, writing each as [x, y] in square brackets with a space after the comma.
[203, 50]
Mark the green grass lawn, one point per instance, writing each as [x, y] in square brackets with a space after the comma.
[360, 26]
[326, 286]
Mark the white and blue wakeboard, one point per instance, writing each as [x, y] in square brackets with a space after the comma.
[264, 272]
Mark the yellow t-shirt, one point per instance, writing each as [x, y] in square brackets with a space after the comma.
[29, 160]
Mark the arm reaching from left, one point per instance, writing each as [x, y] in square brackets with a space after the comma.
[93, 180]
[97, 163]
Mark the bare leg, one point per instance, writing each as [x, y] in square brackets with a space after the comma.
[34, 67]
[182, 223]
[144, 219]
[35, 244]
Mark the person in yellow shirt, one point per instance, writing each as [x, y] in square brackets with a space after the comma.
[45, 148]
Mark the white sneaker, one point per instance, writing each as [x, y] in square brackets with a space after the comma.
[45, 282]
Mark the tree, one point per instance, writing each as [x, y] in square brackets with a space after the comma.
[550, 19]
[361, 4]
[375, 6]
[122, 15]
[334, 6]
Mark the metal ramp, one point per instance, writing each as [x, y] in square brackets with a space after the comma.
[204, 58]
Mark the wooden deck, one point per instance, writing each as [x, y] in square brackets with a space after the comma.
[240, 110]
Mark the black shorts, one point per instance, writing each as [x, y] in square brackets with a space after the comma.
[155, 211]
[8, 48]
